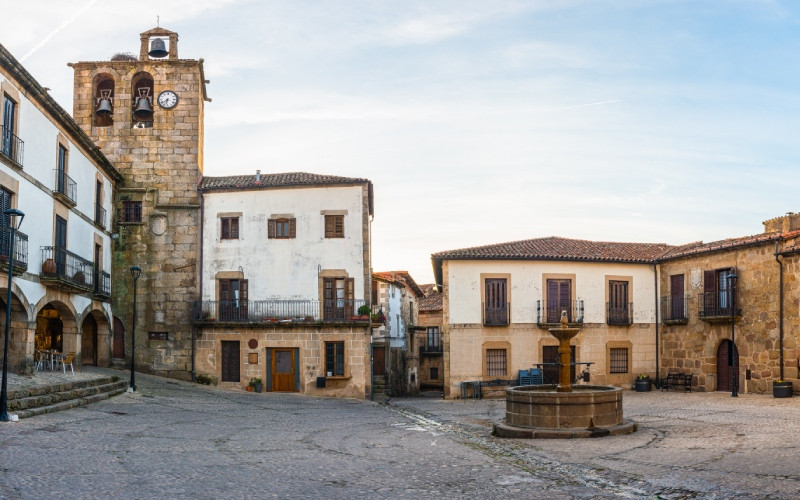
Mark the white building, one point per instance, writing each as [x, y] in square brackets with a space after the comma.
[286, 282]
[54, 174]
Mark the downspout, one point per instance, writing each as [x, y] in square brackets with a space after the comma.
[655, 291]
[200, 285]
[780, 307]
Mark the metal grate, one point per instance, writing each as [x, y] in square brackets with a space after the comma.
[496, 362]
[619, 360]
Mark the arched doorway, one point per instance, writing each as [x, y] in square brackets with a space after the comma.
[49, 330]
[119, 339]
[724, 359]
[89, 341]
[20, 346]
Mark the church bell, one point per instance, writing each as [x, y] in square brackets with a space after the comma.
[157, 48]
[104, 104]
[143, 107]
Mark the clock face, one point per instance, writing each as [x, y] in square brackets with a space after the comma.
[168, 99]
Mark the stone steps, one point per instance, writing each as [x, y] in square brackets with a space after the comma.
[47, 399]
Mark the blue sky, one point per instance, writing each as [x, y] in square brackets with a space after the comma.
[482, 122]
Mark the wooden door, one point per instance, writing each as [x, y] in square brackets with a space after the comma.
[724, 360]
[338, 298]
[676, 297]
[89, 341]
[379, 361]
[618, 302]
[119, 339]
[283, 373]
[496, 302]
[550, 355]
[559, 298]
[230, 361]
[60, 252]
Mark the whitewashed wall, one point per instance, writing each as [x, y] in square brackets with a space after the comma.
[284, 268]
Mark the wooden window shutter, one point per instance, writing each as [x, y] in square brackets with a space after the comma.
[292, 228]
[709, 281]
[348, 288]
[226, 229]
[339, 226]
[329, 226]
[234, 228]
[271, 228]
[243, 290]
[224, 290]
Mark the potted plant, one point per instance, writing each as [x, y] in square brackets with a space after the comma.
[378, 317]
[781, 388]
[643, 383]
[255, 383]
[364, 312]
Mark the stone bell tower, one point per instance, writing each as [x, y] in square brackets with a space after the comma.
[146, 114]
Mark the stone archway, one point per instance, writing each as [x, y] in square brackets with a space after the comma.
[724, 376]
[95, 339]
[20, 340]
[57, 329]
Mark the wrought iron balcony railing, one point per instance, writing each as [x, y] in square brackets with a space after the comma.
[675, 308]
[495, 315]
[551, 314]
[430, 349]
[619, 314]
[65, 185]
[11, 146]
[280, 311]
[61, 264]
[99, 215]
[102, 285]
[718, 305]
[20, 248]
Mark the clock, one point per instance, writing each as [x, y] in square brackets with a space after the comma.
[167, 99]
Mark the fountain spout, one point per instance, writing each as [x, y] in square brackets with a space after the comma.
[564, 334]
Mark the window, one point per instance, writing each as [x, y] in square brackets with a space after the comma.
[334, 226]
[8, 144]
[618, 362]
[559, 298]
[433, 336]
[434, 373]
[618, 306]
[337, 298]
[334, 359]
[495, 302]
[5, 232]
[99, 211]
[60, 250]
[230, 228]
[131, 211]
[232, 299]
[282, 228]
[496, 362]
[717, 296]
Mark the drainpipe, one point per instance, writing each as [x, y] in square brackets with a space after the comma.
[655, 291]
[200, 286]
[780, 306]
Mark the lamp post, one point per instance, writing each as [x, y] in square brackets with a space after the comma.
[11, 213]
[136, 271]
[734, 358]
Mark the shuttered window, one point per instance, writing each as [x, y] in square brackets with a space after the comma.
[334, 226]
[232, 299]
[230, 228]
[559, 298]
[496, 302]
[282, 228]
[496, 362]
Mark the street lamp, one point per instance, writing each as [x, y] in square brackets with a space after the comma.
[136, 271]
[11, 213]
[734, 358]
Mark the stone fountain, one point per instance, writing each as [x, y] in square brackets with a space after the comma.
[566, 411]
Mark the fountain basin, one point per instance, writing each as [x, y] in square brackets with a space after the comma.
[543, 412]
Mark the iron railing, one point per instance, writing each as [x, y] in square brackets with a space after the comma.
[551, 314]
[99, 215]
[20, 247]
[11, 146]
[619, 314]
[65, 185]
[430, 349]
[60, 263]
[102, 284]
[718, 304]
[495, 315]
[280, 311]
[675, 308]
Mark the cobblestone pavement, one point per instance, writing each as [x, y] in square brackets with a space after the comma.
[175, 439]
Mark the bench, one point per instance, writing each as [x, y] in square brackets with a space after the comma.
[677, 380]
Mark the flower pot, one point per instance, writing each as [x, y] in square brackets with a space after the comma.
[49, 266]
[643, 385]
[258, 387]
[249, 388]
[782, 389]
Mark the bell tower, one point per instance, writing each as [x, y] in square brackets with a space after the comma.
[146, 113]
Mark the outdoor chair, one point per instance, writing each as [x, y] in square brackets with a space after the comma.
[67, 360]
[39, 358]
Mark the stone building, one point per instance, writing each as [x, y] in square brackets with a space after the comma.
[431, 366]
[146, 113]
[286, 282]
[53, 172]
[698, 305]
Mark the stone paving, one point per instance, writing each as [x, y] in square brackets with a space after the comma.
[175, 439]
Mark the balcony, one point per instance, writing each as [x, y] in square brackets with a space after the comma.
[99, 216]
[431, 350]
[102, 286]
[280, 312]
[619, 314]
[675, 309]
[11, 146]
[20, 250]
[65, 188]
[64, 270]
[495, 315]
[550, 316]
[717, 307]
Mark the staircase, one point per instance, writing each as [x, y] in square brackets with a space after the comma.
[379, 388]
[34, 401]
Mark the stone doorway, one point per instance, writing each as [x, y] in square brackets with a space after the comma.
[724, 360]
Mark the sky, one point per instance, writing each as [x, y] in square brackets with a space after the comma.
[481, 122]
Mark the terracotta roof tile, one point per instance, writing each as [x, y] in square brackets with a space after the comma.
[699, 247]
[236, 182]
[555, 248]
[431, 303]
[399, 278]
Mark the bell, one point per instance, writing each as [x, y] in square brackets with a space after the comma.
[157, 48]
[104, 108]
[143, 108]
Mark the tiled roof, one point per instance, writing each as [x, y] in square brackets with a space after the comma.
[431, 303]
[699, 247]
[287, 179]
[399, 278]
[555, 248]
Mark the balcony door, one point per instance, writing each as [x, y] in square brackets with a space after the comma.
[618, 302]
[496, 298]
[337, 298]
[676, 296]
[559, 298]
[5, 233]
[9, 115]
[60, 250]
[232, 300]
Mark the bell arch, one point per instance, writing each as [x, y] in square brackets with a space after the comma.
[103, 91]
[142, 100]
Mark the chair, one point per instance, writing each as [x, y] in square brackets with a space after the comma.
[67, 360]
[38, 360]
